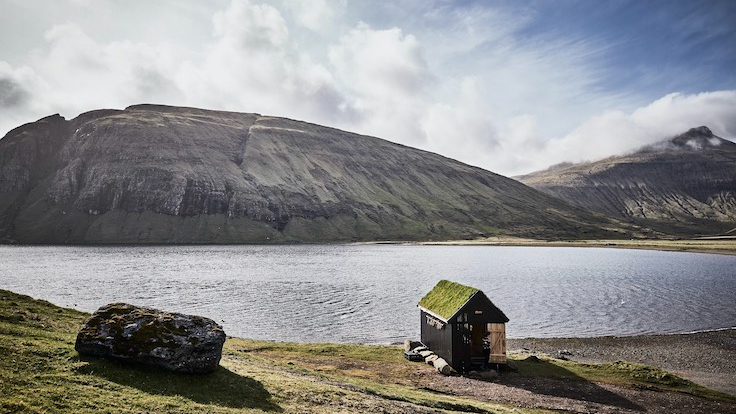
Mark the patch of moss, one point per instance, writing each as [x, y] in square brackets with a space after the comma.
[446, 298]
[618, 372]
[153, 330]
[647, 374]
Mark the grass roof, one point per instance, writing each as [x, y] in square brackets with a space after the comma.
[446, 298]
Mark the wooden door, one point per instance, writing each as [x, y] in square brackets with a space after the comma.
[498, 342]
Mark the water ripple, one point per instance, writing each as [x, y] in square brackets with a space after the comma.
[345, 293]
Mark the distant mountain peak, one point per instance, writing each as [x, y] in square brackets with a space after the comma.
[701, 130]
[682, 185]
[695, 139]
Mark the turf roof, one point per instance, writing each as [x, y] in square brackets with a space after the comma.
[446, 298]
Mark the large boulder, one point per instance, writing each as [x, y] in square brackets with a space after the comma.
[173, 341]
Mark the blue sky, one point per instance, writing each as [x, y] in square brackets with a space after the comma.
[508, 86]
[652, 46]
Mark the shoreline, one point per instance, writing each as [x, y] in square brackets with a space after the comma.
[726, 246]
[332, 377]
[554, 338]
[707, 357]
[704, 245]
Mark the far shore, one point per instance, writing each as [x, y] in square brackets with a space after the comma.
[724, 245]
[714, 245]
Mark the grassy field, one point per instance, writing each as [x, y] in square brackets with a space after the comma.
[40, 372]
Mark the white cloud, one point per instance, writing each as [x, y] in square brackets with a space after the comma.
[254, 65]
[15, 85]
[251, 27]
[469, 89]
[315, 15]
[617, 132]
[387, 80]
[380, 63]
[517, 145]
[83, 74]
[250, 64]
[676, 112]
[460, 134]
[18, 96]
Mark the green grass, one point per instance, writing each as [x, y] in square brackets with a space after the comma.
[446, 298]
[379, 371]
[40, 372]
[618, 372]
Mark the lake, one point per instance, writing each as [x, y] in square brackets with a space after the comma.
[368, 293]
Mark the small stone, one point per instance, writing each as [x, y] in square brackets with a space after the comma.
[430, 359]
[490, 374]
[443, 367]
[426, 353]
[173, 341]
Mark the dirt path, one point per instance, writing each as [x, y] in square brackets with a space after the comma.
[711, 353]
[707, 358]
[572, 395]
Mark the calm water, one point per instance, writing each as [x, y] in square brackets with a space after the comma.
[347, 293]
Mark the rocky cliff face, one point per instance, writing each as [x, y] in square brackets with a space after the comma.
[157, 174]
[685, 185]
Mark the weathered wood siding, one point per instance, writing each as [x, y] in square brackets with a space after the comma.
[459, 341]
[437, 335]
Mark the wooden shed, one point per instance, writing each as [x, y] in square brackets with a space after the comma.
[454, 320]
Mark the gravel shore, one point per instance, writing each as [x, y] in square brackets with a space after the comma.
[707, 358]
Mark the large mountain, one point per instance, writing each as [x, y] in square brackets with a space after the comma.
[685, 185]
[158, 174]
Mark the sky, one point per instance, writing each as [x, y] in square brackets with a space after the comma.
[509, 86]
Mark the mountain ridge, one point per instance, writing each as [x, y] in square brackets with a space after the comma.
[162, 174]
[684, 185]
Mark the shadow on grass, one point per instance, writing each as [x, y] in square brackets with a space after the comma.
[221, 387]
[554, 380]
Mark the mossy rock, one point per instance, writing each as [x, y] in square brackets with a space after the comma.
[173, 341]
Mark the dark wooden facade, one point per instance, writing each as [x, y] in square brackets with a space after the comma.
[459, 338]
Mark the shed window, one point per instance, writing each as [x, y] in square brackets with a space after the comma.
[465, 330]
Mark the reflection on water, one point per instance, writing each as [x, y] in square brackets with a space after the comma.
[359, 293]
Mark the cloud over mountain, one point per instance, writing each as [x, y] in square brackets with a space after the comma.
[494, 85]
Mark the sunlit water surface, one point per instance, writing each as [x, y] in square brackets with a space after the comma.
[368, 293]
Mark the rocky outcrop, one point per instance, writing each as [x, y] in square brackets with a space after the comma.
[173, 341]
[159, 174]
[685, 185]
